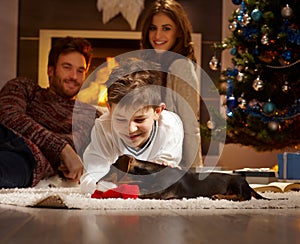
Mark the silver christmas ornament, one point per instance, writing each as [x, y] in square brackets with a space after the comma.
[240, 77]
[233, 25]
[214, 63]
[286, 87]
[246, 19]
[211, 124]
[258, 84]
[286, 12]
[265, 39]
[242, 102]
[273, 125]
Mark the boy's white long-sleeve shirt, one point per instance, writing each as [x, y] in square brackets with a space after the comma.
[163, 145]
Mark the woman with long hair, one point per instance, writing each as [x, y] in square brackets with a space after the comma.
[166, 29]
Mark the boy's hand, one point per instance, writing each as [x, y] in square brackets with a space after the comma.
[72, 166]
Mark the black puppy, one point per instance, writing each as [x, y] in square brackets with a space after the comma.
[156, 181]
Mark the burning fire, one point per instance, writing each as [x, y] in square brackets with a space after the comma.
[96, 92]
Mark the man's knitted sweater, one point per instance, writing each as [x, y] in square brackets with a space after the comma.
[46, 121]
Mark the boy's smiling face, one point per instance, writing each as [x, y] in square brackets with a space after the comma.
[134, 126]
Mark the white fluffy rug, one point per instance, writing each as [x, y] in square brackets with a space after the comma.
[59, 197]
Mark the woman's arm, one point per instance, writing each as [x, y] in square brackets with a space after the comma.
[185, 101]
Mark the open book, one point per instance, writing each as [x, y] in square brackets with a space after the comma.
[277, 186]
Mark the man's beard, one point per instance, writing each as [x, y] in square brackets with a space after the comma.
[59, 87]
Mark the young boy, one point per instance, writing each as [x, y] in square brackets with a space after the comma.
[136, 124]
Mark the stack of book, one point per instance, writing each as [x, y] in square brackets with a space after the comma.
[277, 186]
[258, 175]
[260, 179]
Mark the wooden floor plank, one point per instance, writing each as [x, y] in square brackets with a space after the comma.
[11, 221]
[41, 225]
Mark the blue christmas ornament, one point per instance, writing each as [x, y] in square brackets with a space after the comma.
[232, 72]
[240, 18]
[256, 51]
[256, 15]
[237, 2]
[250, 33]
[292, 34]
[287, 55]
[268, 108]
[286, 23]
[233, 51]
[244, 8]
[229, 87]
[231, 104]
[296, 36]
[242, 12]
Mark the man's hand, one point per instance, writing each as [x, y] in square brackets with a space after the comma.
[72, 166]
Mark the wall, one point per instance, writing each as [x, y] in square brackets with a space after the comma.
[8, 40]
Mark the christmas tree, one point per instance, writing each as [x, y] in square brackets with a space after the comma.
[262, 88]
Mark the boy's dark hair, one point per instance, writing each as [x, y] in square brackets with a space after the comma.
[70, 44]
[134, 82]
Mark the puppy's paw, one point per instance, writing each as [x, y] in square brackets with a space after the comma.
[218, 197]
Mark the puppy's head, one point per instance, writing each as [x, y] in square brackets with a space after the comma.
[118, 170]
[127, 169]
[123, 163]
[129, 164]
[150, 177]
